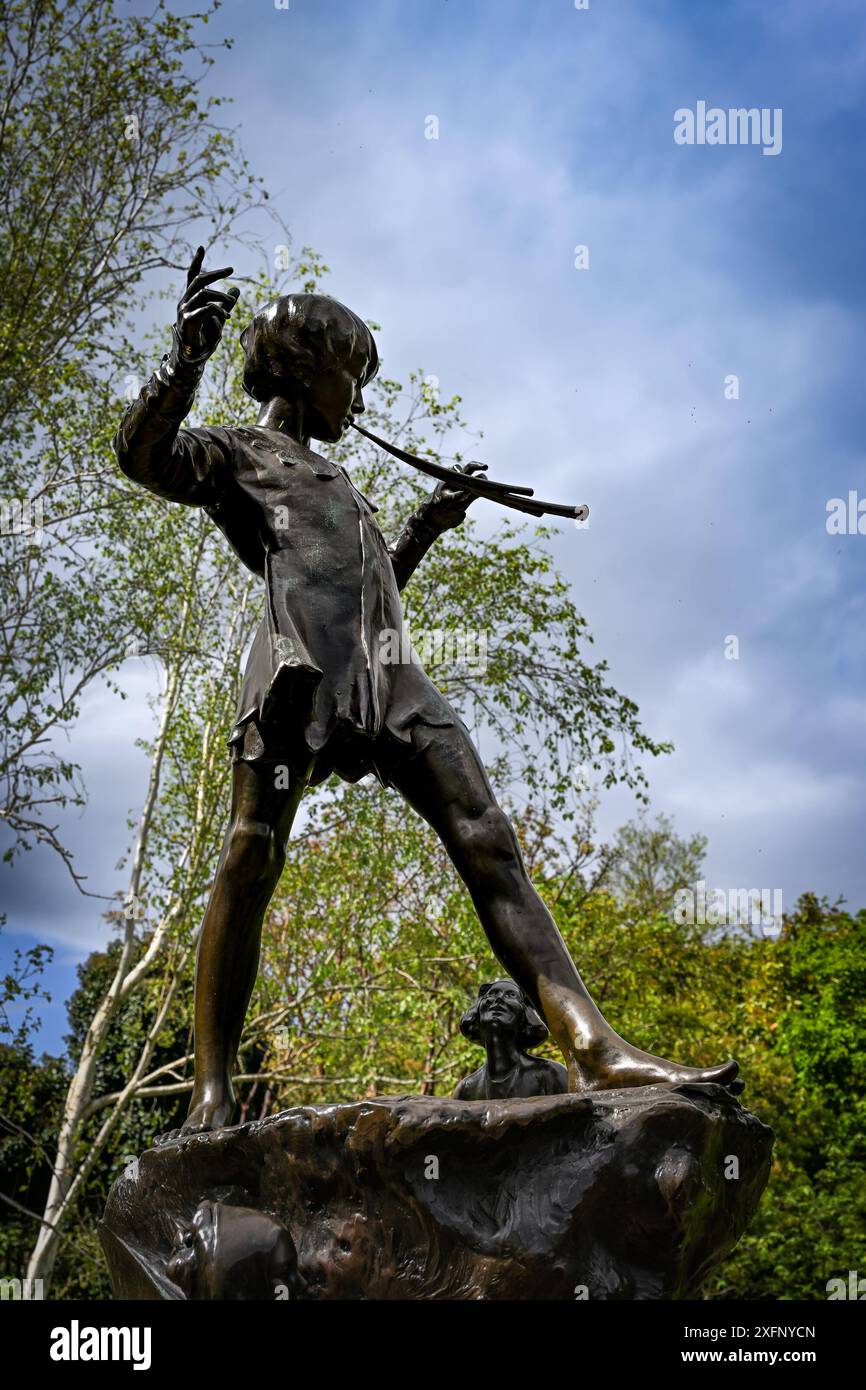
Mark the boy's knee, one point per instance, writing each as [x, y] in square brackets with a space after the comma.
[488, 838]
[254, 849]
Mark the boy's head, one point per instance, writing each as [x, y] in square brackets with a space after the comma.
[310, 346]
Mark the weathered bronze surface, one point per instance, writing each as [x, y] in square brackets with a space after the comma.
[316, 697]
[506, 1026]
[623, 1194]
[226, 1251]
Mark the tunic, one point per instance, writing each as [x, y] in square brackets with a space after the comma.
[316, 685]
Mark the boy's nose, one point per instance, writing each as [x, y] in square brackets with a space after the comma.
[358, 406]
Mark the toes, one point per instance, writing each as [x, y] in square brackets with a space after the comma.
[724, 1074]
[173, 1136]
[736, 1087]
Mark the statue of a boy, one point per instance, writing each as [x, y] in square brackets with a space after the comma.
[316, 696]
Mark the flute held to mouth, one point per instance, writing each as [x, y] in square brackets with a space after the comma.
[508, 494]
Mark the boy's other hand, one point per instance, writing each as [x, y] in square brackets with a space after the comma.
[448, 503]
[202, 311]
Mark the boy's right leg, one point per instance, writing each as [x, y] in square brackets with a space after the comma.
[250, 865]
[446, 784]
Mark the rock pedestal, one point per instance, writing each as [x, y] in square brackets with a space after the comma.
[632, 1194]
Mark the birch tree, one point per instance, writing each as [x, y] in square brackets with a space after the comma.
[109, 153]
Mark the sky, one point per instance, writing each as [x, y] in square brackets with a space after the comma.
[601, 376]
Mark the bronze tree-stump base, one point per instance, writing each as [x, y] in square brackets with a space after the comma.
[632, 1194]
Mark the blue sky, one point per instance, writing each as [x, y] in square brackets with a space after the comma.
[603, 385]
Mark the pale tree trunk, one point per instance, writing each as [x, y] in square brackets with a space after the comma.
[197, 853]
[80, 1090]
[81, 1086]
[71, 1168]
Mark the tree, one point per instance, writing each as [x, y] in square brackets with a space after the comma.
[806, 1015]
[651, 863]
[108, 154]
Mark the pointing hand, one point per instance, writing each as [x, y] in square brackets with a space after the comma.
[202, 311]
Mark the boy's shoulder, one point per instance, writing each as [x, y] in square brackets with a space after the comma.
[257, 440]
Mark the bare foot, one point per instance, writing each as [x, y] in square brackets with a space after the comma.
[612, 1063]
[214, 1110]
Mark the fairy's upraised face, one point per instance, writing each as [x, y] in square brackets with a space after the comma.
[501, 1005]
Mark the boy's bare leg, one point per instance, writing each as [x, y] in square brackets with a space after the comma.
[253, 854]
[448, 786]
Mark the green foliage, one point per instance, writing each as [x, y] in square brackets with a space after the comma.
[651, 862]
[19, 987]
[31, 1099]
[31, 1094]
[809, 1086]
[108, 152]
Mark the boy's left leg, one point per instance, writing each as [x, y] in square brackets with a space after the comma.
[249, 868]
[446, 784]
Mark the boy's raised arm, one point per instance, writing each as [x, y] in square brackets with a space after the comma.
[181, 466]
[444, 509]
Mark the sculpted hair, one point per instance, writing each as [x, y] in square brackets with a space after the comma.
[532, 1031]
[297, 335]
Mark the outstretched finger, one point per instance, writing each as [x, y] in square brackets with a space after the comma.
[207, 277]
[195, 265]
[206, 296]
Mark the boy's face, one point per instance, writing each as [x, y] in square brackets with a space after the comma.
[334, 397]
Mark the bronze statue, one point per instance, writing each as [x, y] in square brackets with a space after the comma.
[507, 1025]
[231, 1252]
[316, 697]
